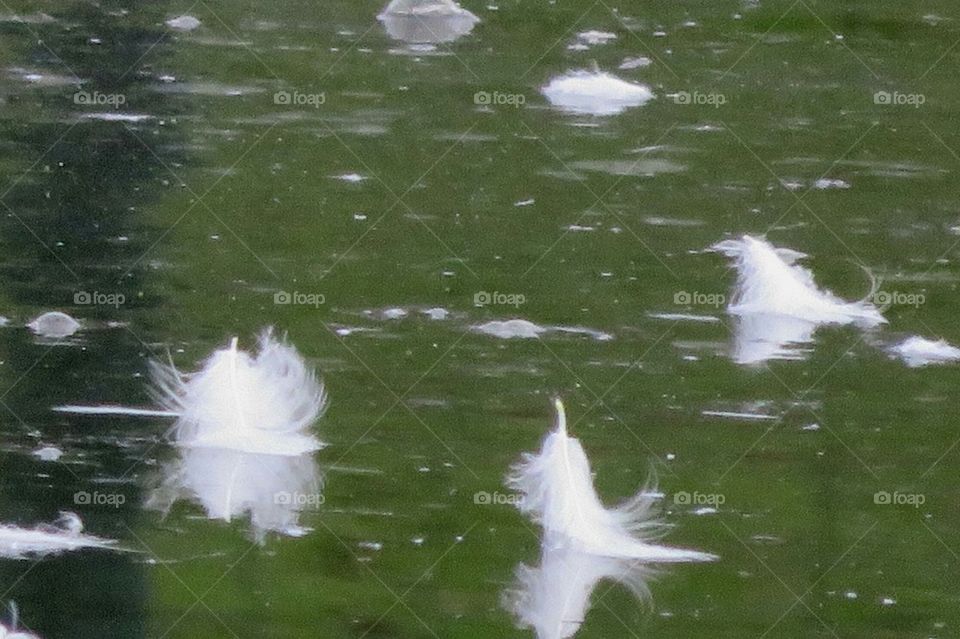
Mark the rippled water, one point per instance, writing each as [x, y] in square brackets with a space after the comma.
[457, 250]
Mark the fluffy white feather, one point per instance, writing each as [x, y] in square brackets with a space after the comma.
[66, 535]
[770, 282]
[271, 489]
[553, 599]
[916, 351]
[260, 404]
[558, 493]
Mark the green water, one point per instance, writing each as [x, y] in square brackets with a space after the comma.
[220, 197]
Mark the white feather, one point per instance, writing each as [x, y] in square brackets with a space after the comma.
[558, 493]
[553, 599]
[916, 351]
[271, 489]
[67, 535]
[769, 282]
[595, 93]
[259, 404]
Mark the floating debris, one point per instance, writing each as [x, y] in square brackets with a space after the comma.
[558, 493]
[437, 313]
[183, 23]
[769, 281]
[254, 404]
[685, 317]
[257, 404]
[916, 351]
[635, 63]
[48, 453]
[112, 116]
[510, 329]
[587, 39]
[826, 183]
[524, 329]
[595, 93]
[66, 535]
[55, 325]
[395, 313]
[639, 168]
[736, 415]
